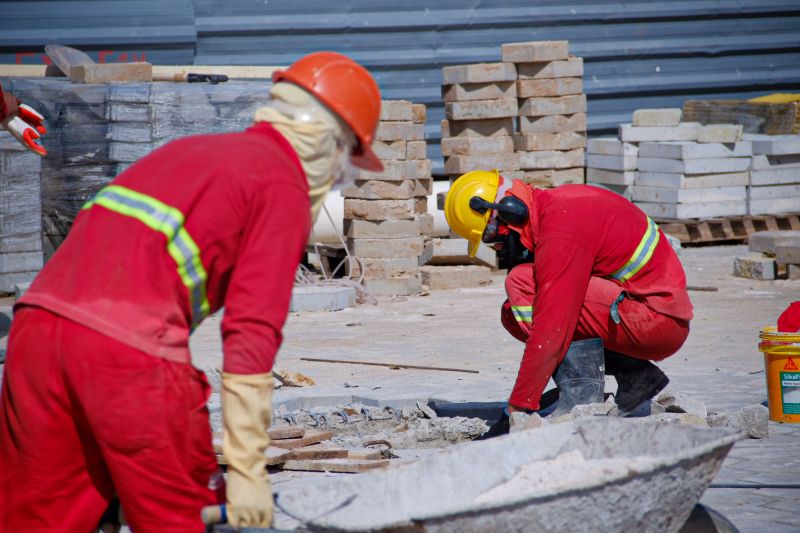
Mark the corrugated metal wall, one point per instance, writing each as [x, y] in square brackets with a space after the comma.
[637, 54]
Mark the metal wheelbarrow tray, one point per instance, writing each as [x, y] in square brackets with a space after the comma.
[674, 465]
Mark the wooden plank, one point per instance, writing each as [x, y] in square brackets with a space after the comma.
[111, 72]
[318, 451]
[287, 432]
[311, 437]
[275, 456]
[364, 454]
[346, 466]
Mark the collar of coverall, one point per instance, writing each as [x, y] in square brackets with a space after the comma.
[524, 192]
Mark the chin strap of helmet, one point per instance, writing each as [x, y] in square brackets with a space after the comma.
[510, 209]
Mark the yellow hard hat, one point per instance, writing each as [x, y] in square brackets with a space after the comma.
[460, 216]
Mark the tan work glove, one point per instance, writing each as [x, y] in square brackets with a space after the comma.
[247, 414]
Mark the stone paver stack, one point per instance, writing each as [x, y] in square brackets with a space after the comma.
[774, 175]
[385, 213]
[611, 163]
[20, 214]
[480, 109]
[551, 135]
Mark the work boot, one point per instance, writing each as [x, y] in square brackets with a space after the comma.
[638, 380]
[580, 377]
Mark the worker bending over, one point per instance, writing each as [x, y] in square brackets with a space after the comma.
[601, 269]
[99, 392]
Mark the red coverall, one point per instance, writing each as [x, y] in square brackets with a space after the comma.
[99, 393]
[3, 107]
[602, 269]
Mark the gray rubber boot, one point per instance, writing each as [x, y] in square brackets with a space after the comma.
[580, 377]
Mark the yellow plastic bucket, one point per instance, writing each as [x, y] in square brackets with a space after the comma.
[782, 367]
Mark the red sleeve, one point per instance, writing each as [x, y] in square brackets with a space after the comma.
[561, 271]
[258, 296]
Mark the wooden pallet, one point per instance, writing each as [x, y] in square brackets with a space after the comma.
[728, 229]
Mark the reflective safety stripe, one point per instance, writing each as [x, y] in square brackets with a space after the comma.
[167, 220]
[642, 254]
[523, 313]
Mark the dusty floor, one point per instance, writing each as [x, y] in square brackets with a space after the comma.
[719, 365]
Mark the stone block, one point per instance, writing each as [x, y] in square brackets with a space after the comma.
[554, 177]
[419, 113]
[386, 248]
[416, 150]
[520, 421]
[754, 420]
[400, 170]
[553, 123]
[774, 206]
[384, 209]
[622, 190]
[454, 252]
[611, 162]
[10, 279]
[481, 109]
[677, 402]
[696, 210]
[372, 268]
[611, 146]
[792, 271]
[551, 159]
[455, 277]
[425, 223]
[720, 133]
[688, 196]
[312, 298]
[570, 68]
[20, 289]
[788, 255]
[549, 87]
[394, 286]
[778, 176]
[478, 128]
[388, 190]
[769, 162]
[686, 131]
[568, 140]
[396, 110]
[694, 166]
[462, 92]
[754, 266]
[657, 117]
[695, 181]
[560, 105]
[775, 192]
[394, 131]
[390, 149]
[479, 73]
[382, 229]
[693, 150]
[535, 51]
[770, 241]
[459, 164]
[774, 144]
[452, 146]
[13, 262]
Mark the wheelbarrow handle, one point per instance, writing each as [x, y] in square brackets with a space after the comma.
[214, 514]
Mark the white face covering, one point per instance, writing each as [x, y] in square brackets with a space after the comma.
[321, 141]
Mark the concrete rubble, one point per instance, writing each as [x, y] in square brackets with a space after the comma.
[772, 255]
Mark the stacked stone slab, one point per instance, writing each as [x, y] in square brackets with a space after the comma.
[551, 135]
[386, 213]
[480, 109]
[611, 164]
[774, 175]
[20, 214]
[688, 179]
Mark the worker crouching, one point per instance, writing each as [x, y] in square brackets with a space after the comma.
[99, 393]
[595, 267]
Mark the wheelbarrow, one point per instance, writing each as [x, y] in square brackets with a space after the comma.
[666, 470]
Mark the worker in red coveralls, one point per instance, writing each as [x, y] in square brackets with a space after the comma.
[99, 393]
[22, 121]
[598, 268]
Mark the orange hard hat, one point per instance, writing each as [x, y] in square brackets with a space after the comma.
[347, 89]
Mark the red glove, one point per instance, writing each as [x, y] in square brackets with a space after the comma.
[789, 321]
[26, 125]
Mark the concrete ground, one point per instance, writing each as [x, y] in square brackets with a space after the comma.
[719, 365]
